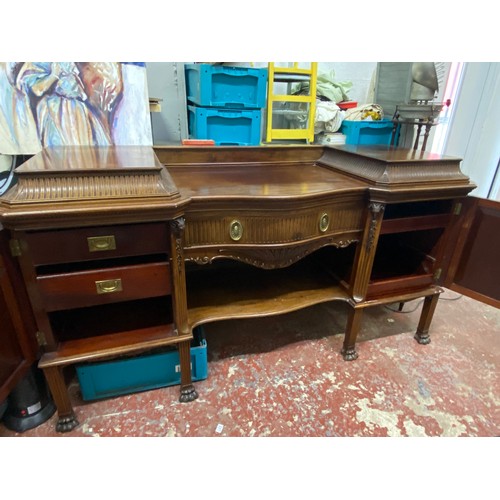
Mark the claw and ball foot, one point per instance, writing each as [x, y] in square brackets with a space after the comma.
[66, 424]
[188, 394]
[422, 338]
[349, 354]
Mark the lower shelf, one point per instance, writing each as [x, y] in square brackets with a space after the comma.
[106, 346]
[400, 284]
[231, 290]
[96, 333]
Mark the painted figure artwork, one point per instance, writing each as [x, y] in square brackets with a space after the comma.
[72, 103]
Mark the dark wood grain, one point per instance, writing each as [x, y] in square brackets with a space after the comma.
[79, 289]
[18, 347]
[230, 291]
[474, 263]
[363, 225]
[71, 245]
[108, 346]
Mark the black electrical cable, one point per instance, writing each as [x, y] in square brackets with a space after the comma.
[405, 312]
[458, 297]
[454, 298]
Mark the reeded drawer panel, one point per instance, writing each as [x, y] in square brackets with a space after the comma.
[73, 245]
[233, 227]
[89, 288]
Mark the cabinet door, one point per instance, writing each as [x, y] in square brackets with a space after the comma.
[474, 266]
[17, 329]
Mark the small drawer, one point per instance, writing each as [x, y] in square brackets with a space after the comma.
[272, 227]
[73, 245]
[103, 286]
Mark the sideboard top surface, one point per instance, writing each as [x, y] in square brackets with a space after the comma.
[84, 185]
[62, 186]
[394, 155]
[292, 180]
[82, 159]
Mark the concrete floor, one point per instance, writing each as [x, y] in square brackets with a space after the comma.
[284, 376]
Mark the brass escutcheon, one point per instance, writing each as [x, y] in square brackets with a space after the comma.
[235, 230]
[324, 222]
[101, 243]
[109, 286]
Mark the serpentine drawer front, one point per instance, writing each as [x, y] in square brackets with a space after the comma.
[90, 243]
[271, 227]
[102, 286]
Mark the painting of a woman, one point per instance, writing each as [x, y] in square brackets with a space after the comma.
[73, 103]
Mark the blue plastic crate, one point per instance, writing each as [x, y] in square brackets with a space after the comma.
[139, 373]
[367, 132]
[240, 127]
[226, 86]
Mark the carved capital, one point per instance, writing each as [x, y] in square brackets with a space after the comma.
[177, 226]
[375, 209]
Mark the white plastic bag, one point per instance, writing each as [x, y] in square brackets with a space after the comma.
[328, 117]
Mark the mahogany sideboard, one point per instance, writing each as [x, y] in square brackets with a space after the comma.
[127, 249]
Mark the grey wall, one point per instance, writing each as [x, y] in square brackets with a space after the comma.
[166, 82]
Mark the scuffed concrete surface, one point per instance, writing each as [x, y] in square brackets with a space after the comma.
[284, 376]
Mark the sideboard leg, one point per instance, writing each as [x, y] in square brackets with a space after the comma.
[66, 417]
[353, 323]
[188, 392]
[422, 335]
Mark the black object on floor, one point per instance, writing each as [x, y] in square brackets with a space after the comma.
[3, 407]
[29, 404]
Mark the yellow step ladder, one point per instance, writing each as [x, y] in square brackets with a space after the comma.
[291, 74]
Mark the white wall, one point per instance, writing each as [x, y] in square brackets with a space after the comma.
[361, 74]
[474, 128]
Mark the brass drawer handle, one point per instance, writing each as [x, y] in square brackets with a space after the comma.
[109, 286]
[324, 222]
[101, 243]
[235, 230]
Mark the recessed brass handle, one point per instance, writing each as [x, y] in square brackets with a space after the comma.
[101, 243]
[324, 222]
[109, 286]
[235, 230]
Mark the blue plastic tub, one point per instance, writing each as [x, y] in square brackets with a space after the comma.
[239, 127]
[139, 373]
[367, 132]
[226, 86]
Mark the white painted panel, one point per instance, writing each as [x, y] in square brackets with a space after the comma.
[474, 131]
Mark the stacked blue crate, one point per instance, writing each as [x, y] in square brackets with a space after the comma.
[225, 103]
[367, 132]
